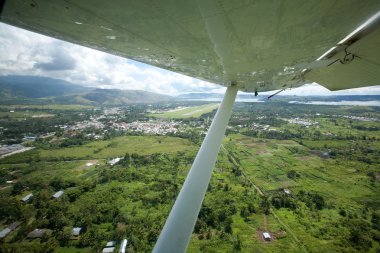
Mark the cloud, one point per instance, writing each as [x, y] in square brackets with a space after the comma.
[60, 60]
[27, 53]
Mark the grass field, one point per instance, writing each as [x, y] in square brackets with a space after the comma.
[267, 163]
[187, 112]
[21, 112]
[119, 146]
[18, 115]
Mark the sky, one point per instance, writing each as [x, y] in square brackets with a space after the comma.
[26, 53]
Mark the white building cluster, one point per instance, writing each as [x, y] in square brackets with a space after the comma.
[302, 122]
[359, 118]
[151, 127]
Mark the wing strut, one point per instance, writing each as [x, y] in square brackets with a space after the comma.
[175, 236]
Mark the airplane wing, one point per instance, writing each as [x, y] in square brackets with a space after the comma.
[257, 45]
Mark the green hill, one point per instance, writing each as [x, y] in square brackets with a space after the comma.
[44, 90]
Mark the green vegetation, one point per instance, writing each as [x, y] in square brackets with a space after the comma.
[311, 181]
[118, 147]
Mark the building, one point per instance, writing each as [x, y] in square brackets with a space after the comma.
[266, 236]
[111, 244]
[287, 191]
[114, 161]
[38, 233]
[58, 194]
[4, 232]
[89, 164]
[76, 231]
[123, 246]
[325, 155]
[10, 148]
[10, 228]
[29, 138]
[110, 247]
[27, 197]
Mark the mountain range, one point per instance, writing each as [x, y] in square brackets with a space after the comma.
[251, 97]
[34, 89]
[15, 89]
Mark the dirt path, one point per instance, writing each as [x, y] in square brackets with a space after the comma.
[242, 169]
[266, 222]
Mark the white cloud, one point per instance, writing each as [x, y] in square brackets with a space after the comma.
[27, 53]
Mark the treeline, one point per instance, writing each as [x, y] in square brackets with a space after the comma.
[283, 135]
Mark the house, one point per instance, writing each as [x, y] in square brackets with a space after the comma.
[76, 231]
[4, 232]
[123, 246]
[325, 155]
[111, 244]
[114, 161]
[29, 138]
[10, 228]
[27, 197]
[110, 247]
[38, 233]
[58, 194]
[266, 236]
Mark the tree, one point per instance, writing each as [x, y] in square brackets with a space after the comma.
[228, 225]
[121, 230]
[237, 244]
[19, 187]
[64, 236]
[292, 174]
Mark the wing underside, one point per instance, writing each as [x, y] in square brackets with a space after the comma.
[258, 45]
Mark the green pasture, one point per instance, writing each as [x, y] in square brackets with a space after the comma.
[119, 146]
[267, 162]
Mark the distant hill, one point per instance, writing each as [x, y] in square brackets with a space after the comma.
[113, 96]
[242, 97]
[36, 87]
[43, 90]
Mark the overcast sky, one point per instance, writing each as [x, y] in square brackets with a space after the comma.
[27, 53]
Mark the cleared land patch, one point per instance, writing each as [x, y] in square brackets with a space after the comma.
[187, 112]
[119, 146]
